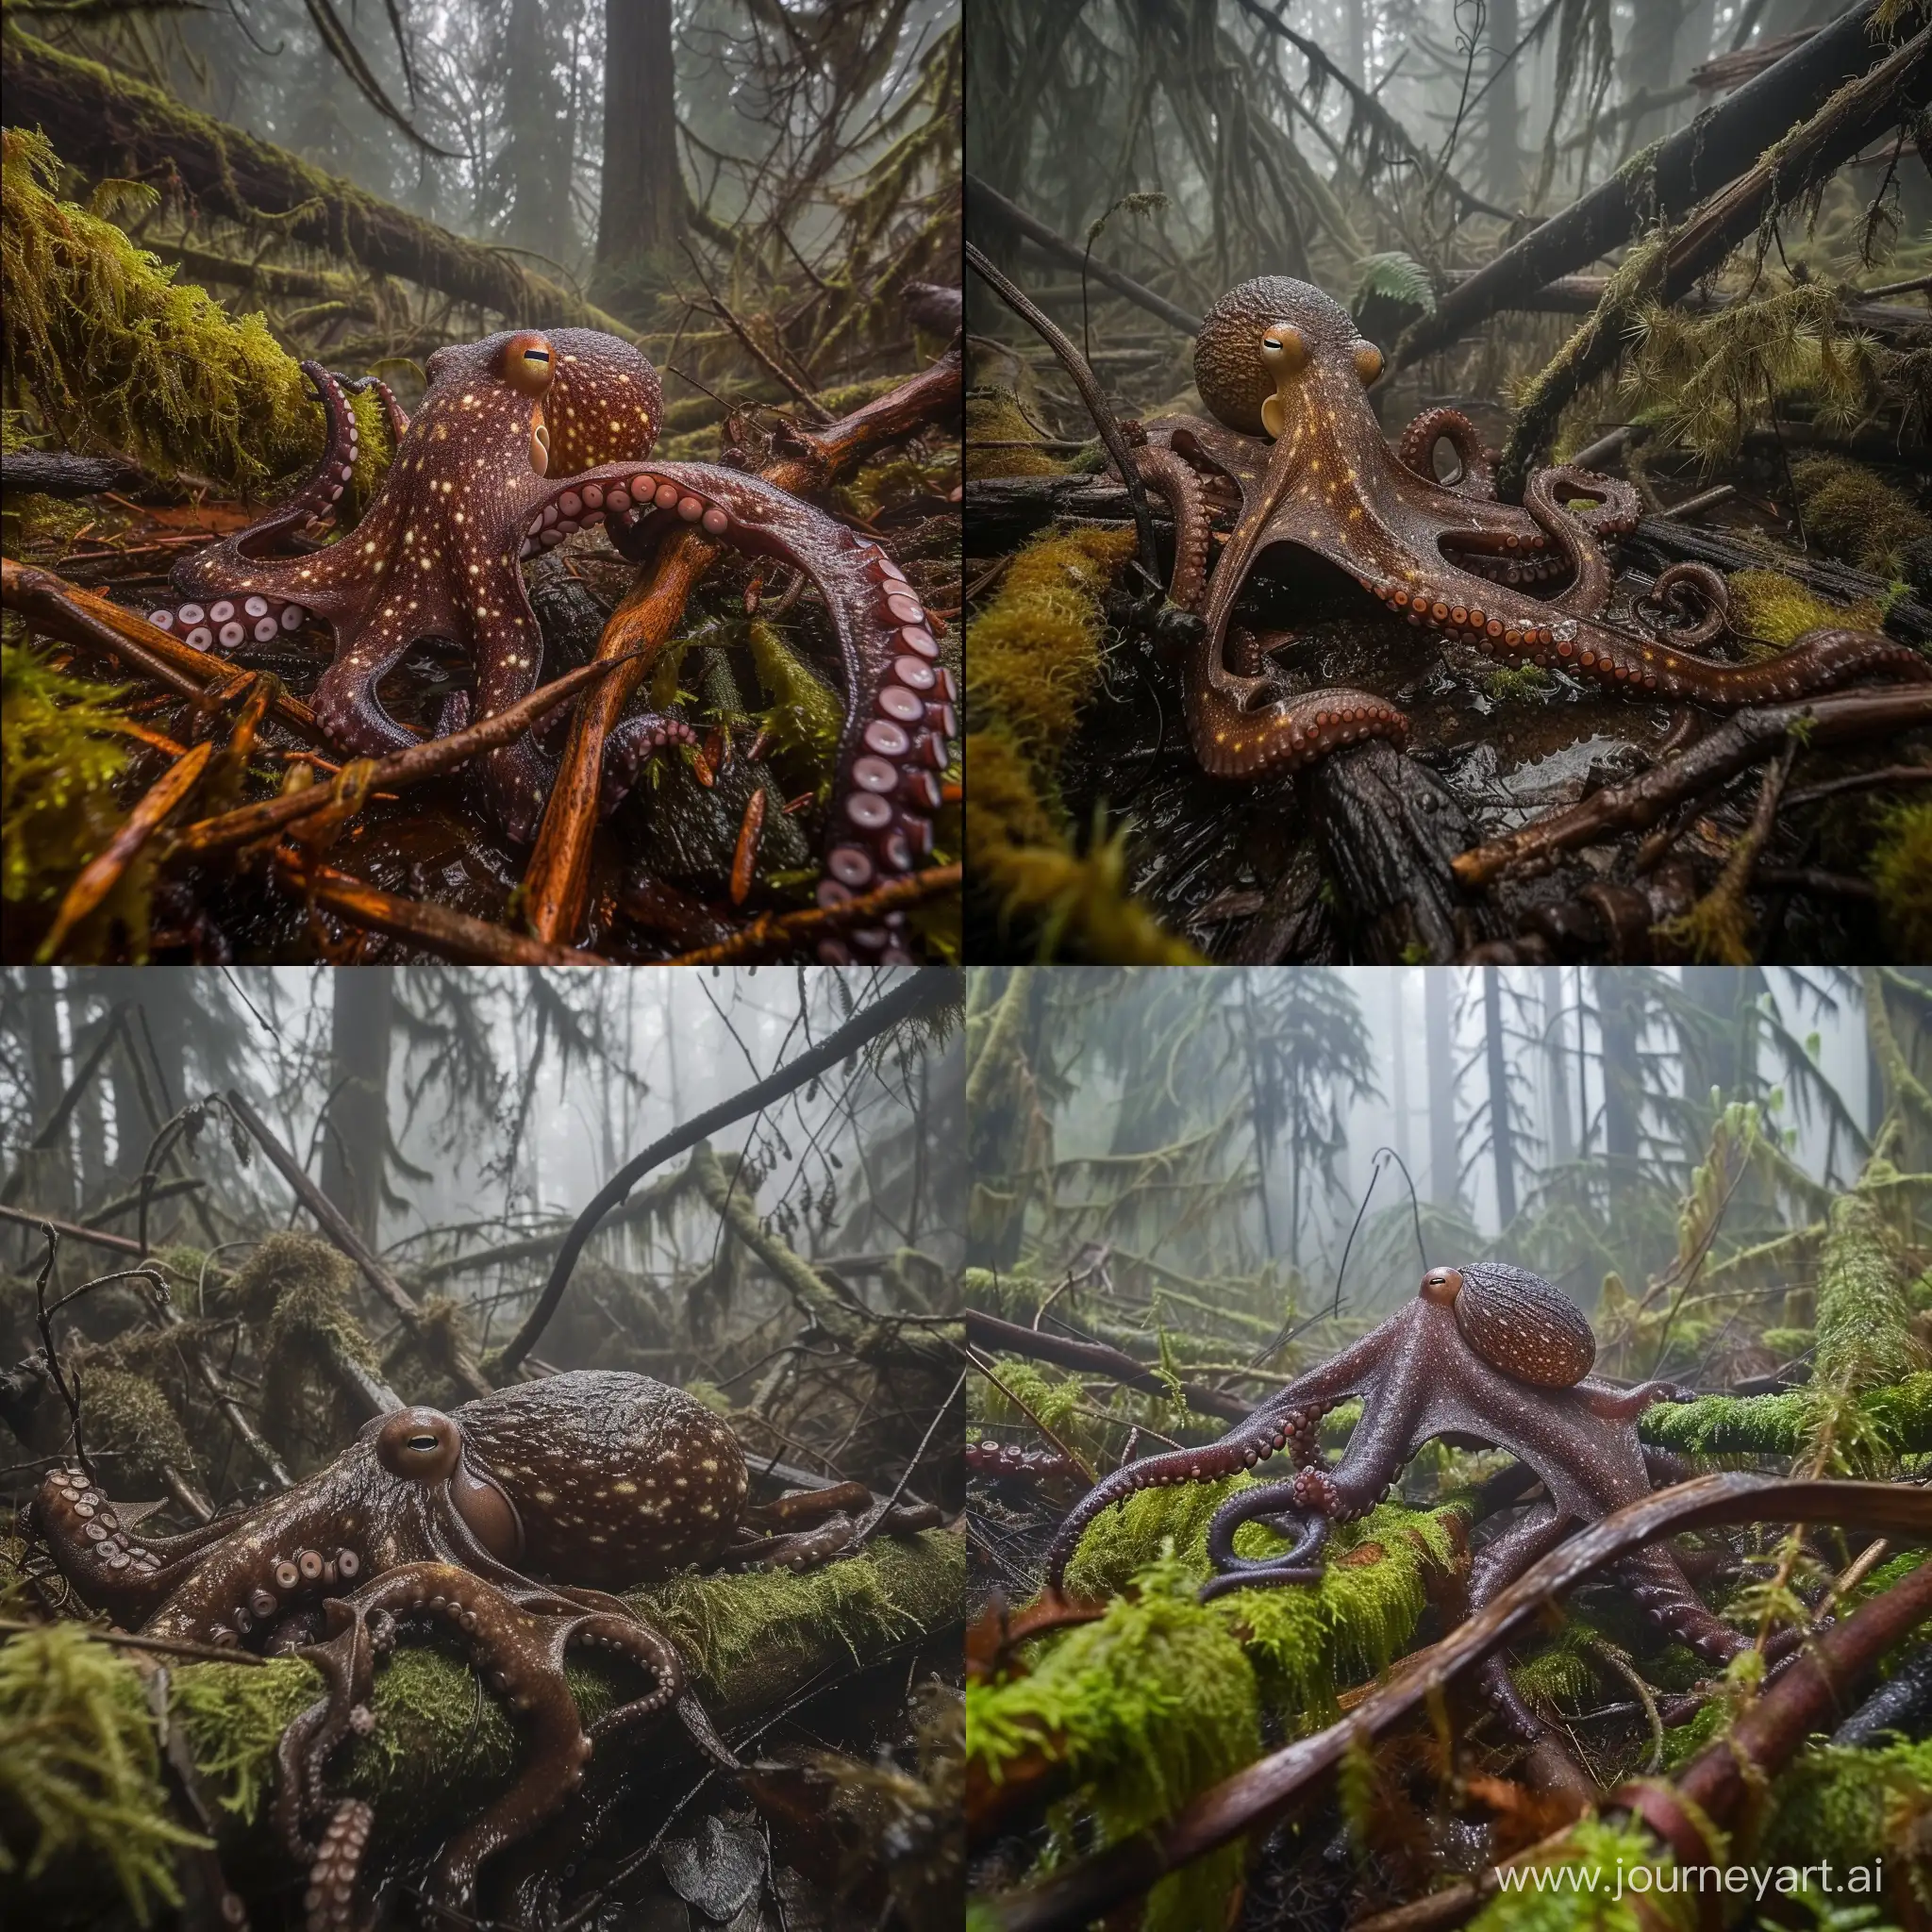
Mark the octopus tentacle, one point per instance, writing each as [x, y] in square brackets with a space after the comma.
[329, 1903]
[1162, 469]
[1287, 735]
[1497, 1565]
[901, 716]
[1417, 449]
[1276, 1505]
[1704, 591]
[393, 412]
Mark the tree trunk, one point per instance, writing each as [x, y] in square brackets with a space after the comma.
[1617, 1029]
[1399, 1054]
[358, 1135]
[1502, 1138]
[1442, 1188]
[641, 214]
[108, 124]
[1649, 63]
[1503, 171]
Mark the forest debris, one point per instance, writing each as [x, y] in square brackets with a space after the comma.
[113, 124]
[1067, 1352]
[557, 880]
[1665, 180]
[1746, 737]
[982, 200]
[103, 875]
[442, 930]
[1718, 927]
[778, 934]
[1226, 1812]
[333, 1224]
[1661, 269]
[76, 616]
[394, 772]
[59, 473]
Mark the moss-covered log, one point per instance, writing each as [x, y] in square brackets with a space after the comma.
[441, 1746]
[113, 126]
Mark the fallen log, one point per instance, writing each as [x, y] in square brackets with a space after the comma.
[110, 125]
[1663, 182]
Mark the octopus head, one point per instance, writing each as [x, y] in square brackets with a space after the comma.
[1261, 342]
[603, 403]
[1516, 1321]
[426, 1447]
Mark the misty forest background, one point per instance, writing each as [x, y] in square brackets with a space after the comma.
[1183, 1153]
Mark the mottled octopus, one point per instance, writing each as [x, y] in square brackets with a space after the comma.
[1488, 1354]
[1285, 372]
[506, 1521]
[522, 439]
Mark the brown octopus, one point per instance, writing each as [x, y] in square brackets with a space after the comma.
[506, 1522]
[1487, 1352]
[521, 439]
[1285, 371]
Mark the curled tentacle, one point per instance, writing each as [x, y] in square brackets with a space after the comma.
[1417, 449]
[901, 716]
[1287, 735]
[329, 1904]
[1699, 595]
[1276, 1505]
[1245, 1444]
[113, 1567]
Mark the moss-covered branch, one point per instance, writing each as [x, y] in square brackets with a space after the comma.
[1900, 1417]
[113, 126]
[441, 1746]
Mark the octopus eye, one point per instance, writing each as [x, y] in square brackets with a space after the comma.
[527, 363]
[424, 1444]
[1284, 347]
[419, 1444]
[1368, 362]
[1441, 1285]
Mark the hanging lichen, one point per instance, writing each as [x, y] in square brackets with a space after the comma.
[79, 1772]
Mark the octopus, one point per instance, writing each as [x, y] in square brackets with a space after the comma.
[1485, 1353]
[507, 1524]
[521, 439]
[1285, 374]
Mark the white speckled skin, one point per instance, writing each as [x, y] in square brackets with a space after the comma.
[618, 1479]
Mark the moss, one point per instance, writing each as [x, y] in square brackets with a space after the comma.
[442, 1745]
[1776, 609]
[123, 359]
[994, 415]
[1856, 514]
[1899, 1416]
[804, 716]
[1865, 1334]
[1144, 1707]
[1900, 868]
[1304, 1642]
[1857, 1808]
[79, 1772]
[128, 1419]
[59, 760]
[1601, 1902]
[1519, 684]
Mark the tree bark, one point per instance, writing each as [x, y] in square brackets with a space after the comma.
[357, 1136]
[108, 124]
[640, 213]
[1682, 171]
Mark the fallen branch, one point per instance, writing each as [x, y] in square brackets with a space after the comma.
[68, 1230]
[781, 932]
[1096, 1358]
[920, 994]
[439, 1346]
[64, 610]
[108, 123]
[1741, 740]
[557, 881]
[1252, 1797]
[1663, 182]
[983, 202]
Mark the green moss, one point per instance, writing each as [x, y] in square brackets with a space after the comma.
[1597, 1899]
[1144, 1707]
[1519, 684]
[61, 756]
[804, 716]
[1901, 1417]
[123, 359]
[1856, 514]
[1900, 868]
[128, 1419]
[994, 415]
[1865, 1335]
[79, 1772]
[1778, 610]
[1857, 1808]
[1304, 1642]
